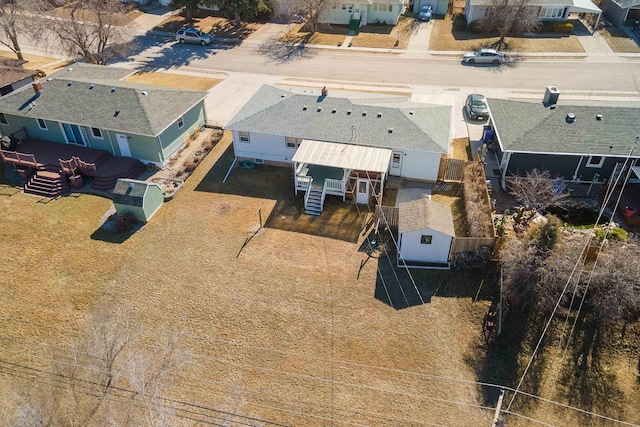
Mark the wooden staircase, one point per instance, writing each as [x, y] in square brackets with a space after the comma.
[47, 184]
[106, 182]
[313, 201]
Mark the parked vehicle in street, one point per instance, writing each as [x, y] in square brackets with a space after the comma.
[483, 56]
[425, 13]
[476, 107]
[192, 35]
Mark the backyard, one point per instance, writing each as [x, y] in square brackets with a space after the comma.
[285, 324]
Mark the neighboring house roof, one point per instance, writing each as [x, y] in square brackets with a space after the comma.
[627, 3]
[84, 96]
[425, 213]
[531, 127]
[274, 111]
[9, 75]
[582, 5]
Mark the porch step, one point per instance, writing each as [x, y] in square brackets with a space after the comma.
[107, 182]
[313, 204]
[47, 184]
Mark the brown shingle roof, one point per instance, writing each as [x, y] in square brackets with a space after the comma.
[424, 213]
[10, 74]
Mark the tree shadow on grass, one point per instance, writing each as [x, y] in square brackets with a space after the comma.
[586, 381]
[294, 48]
[497, 361]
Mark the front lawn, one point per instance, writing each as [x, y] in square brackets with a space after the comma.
[619, 40]
[179, 81]
[209, 22]
[328, 36]
[444, 38]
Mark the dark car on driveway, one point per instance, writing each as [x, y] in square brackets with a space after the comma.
[476, 107]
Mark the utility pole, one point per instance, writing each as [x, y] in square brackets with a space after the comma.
[496, 417]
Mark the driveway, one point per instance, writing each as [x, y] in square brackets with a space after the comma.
[419, 42]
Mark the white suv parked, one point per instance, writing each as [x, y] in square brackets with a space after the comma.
[192, 35]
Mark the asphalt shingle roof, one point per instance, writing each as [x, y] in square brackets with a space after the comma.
[532, 127]
[425, 213]
[274, 111]
[627, 3]
[86, 96]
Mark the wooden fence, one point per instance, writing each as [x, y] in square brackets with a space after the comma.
[468, 244]
[451, 169]
[388, 213]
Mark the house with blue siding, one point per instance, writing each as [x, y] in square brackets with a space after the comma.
[92, 106]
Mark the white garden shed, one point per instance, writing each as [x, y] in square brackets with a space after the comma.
[425, 233]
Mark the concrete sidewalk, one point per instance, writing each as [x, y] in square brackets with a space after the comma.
[153, 18]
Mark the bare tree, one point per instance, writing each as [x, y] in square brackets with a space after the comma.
[107, 377]
[537, 190]
[12, 22]
[97, 30]
[507, 17]
[313, 11]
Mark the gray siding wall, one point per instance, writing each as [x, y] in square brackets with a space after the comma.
[561, 166]
[615, 13]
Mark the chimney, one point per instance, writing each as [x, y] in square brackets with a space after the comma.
[37, 87]
[551, 96]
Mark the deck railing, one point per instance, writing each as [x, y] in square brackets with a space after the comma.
[303, 182]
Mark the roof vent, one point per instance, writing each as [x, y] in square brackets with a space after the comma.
[304, 108]
[49, 79]
[571, 117]
[333, 111]
[283, 95]
[411, 113]
[144, 93]
[348, 112]
[113, 89]
[69, 69]
[379, 115]
[319, 109]
[599, 117]
[552, 107]
[116, 113]
[69, 83]
[390, 130]
[364, 113]
[91, 86]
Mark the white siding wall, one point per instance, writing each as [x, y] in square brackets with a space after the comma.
[420, 165]
[415, 164]
[265, 147]
[412, 250]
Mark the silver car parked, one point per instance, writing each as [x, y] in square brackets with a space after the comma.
[192, 35]
[483, 56]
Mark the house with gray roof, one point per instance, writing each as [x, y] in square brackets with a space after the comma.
[545, 10]
[619, 11]
[92, 106]
[341, 146]
[579, 142]
[425, 233]
[13, 76]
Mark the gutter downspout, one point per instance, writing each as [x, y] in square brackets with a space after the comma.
[503, 181]
[113, 151]
[162, 159]
[575, 174]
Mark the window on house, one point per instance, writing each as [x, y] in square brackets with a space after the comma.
[180, 123]
[3, 119]
[42, 124]
[244, 137]
[382, 7]
[551, 12]
[292, 142]
[595, 161]
[395, 162]
[344, 6]
[97, 133]
[334, 6]
[426, 240]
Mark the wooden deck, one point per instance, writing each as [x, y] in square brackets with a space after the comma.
[108, 167]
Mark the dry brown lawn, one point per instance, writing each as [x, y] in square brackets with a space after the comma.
[327, 35]
[444, 38]
[35, 62]
[385, 36]
[619, 41]
[208, 22]
[88, 15]
[462, 149]
[283, 331]
[180, 81]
